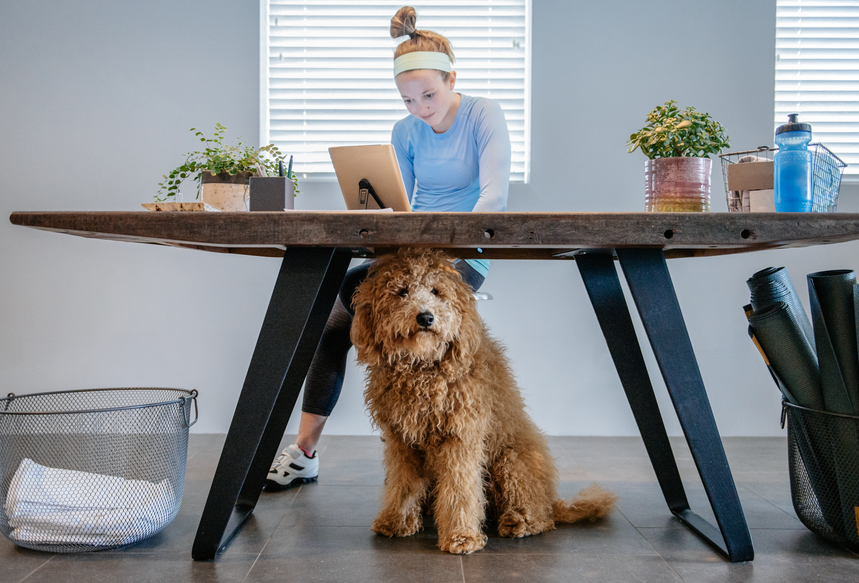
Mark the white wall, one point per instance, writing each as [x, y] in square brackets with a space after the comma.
[96, 98]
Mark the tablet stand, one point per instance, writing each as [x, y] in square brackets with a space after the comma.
[365, 188]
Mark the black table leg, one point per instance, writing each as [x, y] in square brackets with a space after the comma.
[603, 286]
[647, 274]
[303, 295]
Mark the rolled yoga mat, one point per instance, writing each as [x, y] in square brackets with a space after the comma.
[772, 285]
[831, 296]
[794, 365]
[790, 354]
[747, 309]
[856, 314]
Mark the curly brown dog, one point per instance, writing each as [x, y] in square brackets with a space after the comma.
[456, 434]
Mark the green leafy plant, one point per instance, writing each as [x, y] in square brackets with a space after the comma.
[219, 158]
[670, 133]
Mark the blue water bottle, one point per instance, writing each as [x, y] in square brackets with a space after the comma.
[792, 167]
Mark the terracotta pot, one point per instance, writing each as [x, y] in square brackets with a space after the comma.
[677, 185]
[227, 192]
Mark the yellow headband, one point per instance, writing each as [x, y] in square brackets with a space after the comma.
[421, 60]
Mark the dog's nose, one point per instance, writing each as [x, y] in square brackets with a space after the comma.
[425, 319]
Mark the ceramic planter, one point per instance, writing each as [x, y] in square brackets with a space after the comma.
[226, 192]
[677, 185]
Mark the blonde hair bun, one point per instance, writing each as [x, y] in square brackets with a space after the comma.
[403, 22]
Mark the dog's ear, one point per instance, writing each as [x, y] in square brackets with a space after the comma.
[364, 324]
[471, 331]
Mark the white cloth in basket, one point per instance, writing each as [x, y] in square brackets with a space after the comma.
[55, 506]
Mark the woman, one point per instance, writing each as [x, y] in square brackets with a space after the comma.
[454, 155]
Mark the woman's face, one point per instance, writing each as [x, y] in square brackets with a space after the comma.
[429, 97]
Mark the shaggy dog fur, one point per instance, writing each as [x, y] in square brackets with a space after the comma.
[457, 438]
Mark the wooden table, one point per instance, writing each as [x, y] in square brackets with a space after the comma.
[316, 248]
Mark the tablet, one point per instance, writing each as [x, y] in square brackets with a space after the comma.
[369, 177]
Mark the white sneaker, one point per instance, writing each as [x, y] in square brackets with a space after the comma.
[291, 468]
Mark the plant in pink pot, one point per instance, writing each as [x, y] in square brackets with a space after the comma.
[677, 145]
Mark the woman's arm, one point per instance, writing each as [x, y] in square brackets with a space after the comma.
[493, 147]
[405, 158]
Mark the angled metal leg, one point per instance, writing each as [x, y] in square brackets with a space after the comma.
[603, 286]
[303, 295]
[649, 282]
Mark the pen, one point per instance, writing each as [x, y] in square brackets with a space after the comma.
[289, 170]
[280, 167]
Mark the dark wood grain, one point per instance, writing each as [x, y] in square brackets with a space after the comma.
[469, 235]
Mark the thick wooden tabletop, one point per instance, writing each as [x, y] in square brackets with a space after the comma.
[467, 235]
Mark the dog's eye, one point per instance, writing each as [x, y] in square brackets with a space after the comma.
[434, 292]
[404, 292]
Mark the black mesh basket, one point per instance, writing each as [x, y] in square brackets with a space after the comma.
[93, 469]
[823, 459]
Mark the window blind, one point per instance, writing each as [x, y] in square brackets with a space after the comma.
[817, 72]
[327, 72]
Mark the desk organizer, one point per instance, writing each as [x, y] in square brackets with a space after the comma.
[95, 469]
[823, 472]
[826, 170]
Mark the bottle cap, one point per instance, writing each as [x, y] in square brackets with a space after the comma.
[793, 125]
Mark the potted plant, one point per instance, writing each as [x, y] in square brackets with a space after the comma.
[677, 145]
[222, 171]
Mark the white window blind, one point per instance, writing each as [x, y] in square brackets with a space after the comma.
[327, 72]
[817, 72]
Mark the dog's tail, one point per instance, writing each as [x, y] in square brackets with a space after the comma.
[592, 503]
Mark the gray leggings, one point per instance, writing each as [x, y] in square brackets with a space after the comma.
[328, 367]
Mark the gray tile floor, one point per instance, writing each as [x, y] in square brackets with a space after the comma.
[320, 532]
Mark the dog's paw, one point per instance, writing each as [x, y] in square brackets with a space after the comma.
[393, 524]
[463, 542]
[514, 525]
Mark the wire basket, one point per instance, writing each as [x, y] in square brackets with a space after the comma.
[823, 461]
[826, 170]
[93, 469]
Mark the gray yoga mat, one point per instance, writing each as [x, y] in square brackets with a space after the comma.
[772, 285]
[747, 309]
[790, 354]
[832, 297]
[793, 364]
[856, 314]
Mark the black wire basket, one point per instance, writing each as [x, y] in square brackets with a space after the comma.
[93, 469]
[823, 460]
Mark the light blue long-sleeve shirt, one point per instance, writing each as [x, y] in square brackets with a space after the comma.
[467, 168]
